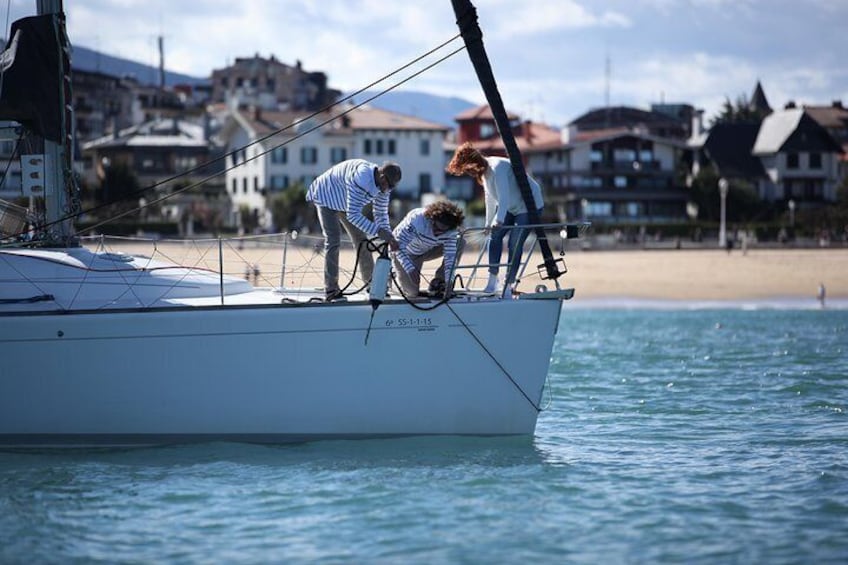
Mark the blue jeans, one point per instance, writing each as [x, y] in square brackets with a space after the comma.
[517, 237]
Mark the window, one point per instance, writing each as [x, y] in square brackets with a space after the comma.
[791, 160]
[624, 155]
[815, 161]
[255, 184]
[486, 131]
[598, 209]
[620, 182]
[244, 185]
[366, 147]
[632, 209]
[392, 147]
[280, 155]
[425, 182]
[596, 156]
[379, 149]
[279, 182]
[424, 147]
[235, 186]
[185, 163]
[308, 155]
[338, 154]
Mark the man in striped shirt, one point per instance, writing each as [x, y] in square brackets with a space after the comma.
[426, 234]
[339, 195]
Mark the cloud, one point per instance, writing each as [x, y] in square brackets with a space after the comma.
[548, 55]
[530, 17]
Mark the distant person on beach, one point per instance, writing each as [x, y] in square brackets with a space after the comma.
[339, 195]
[504, 207]
[423, 235]
[821, 294]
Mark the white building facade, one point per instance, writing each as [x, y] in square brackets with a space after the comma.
[270, 151]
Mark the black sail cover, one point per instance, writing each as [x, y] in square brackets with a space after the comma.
[31, 77]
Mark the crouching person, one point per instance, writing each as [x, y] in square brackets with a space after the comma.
[423, 235]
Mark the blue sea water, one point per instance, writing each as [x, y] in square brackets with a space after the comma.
[671, 435]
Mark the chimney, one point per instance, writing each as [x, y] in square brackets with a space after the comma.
[697, 123]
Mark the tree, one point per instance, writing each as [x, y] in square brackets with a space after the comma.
[741, 111]
[289, 209]
[119, 189]
[249, 218]
[742, 203]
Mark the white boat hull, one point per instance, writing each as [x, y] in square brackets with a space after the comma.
[273, 373]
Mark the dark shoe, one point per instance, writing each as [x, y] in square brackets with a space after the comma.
[335, 296]
[437, 286]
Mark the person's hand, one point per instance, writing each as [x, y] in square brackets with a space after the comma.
[389, 238]
[496, 224]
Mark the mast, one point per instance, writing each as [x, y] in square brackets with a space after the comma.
[466, 19]
[60, 192]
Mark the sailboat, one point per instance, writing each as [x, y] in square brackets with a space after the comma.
[111, 349]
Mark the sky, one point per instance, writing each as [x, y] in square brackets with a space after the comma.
[553, 60]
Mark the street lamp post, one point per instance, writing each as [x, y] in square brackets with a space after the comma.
[722, 228]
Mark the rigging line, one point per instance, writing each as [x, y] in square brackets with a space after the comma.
[6, 30]
[489, 353]
[258, 155]
[280, 130]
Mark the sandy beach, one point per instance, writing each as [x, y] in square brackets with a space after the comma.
[709, 274]
[705, 274]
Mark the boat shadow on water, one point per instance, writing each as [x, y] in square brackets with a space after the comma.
[332, 455]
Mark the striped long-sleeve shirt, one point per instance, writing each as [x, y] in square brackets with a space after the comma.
[348, 187]
[415, 237]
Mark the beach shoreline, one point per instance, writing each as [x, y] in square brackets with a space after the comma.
[710, 275]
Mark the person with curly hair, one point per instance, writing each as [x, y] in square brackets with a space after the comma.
[504, 207]
[423, 235]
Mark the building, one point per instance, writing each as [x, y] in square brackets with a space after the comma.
[271, 151]
[477, 125]
[165, 153]
[834, 119]
[271, 84]
[800, 158]
[617, 175]
[102, 103]
[668, 121]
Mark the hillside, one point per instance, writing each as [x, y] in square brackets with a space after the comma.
[94, 61]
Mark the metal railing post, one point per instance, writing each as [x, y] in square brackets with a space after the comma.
[221, 267]
[285, 252]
